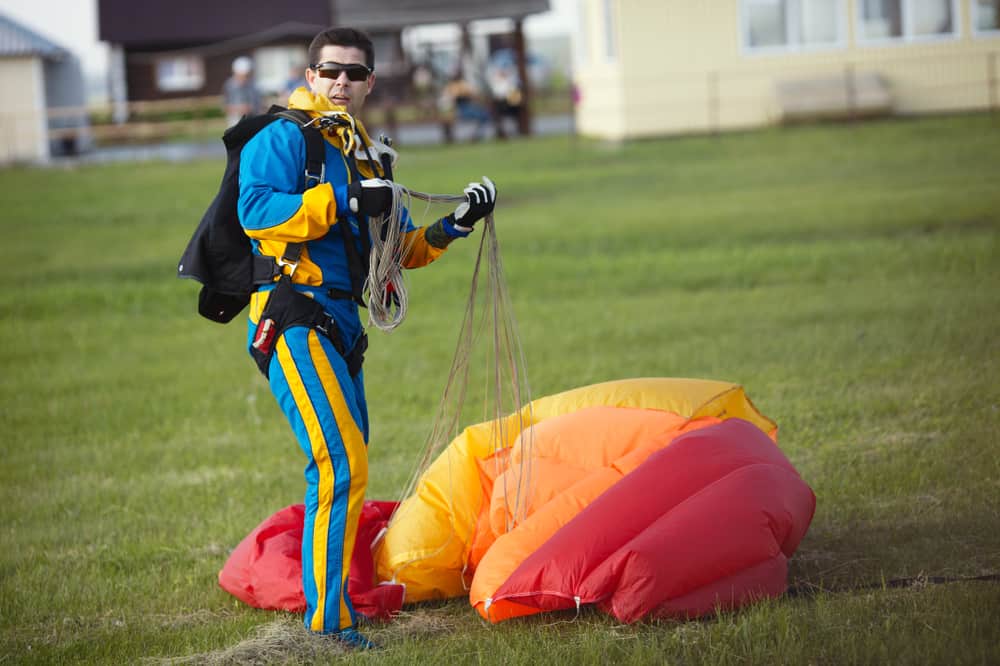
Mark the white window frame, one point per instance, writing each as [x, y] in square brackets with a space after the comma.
[907, 37]
[793, 43]
[286, 56]
[610, 44]
[193, 82]
[976, 30]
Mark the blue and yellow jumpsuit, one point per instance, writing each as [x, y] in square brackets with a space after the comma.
[324, 404]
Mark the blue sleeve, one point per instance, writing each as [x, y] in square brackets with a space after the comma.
[450, 229]
[271, 181]
[407, 222]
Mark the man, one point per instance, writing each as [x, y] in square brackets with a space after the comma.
[239, 93]
[317, 233]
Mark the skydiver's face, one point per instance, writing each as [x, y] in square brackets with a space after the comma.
[341, 90]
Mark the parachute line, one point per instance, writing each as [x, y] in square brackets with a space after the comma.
[488, 316]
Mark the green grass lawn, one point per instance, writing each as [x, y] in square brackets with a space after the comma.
[848, 276]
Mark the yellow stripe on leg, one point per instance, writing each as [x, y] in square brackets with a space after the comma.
[357, 459]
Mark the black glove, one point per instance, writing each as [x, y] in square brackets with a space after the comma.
[371, 197]
[480, 198]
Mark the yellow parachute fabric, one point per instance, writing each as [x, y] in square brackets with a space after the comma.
[426, 547]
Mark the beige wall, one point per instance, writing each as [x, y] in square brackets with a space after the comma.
[681, 67]
[23, 135]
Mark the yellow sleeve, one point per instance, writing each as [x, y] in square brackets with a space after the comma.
[417, 250]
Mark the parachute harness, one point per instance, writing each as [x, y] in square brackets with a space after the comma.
[339, 123]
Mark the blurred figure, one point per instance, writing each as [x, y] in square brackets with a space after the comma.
[239, 93]
[422, 86]
[459, 101]
[505, 88]
[296, 79]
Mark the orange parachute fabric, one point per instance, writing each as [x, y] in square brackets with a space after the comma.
[575, 458]
[707, 521]
[469, 496]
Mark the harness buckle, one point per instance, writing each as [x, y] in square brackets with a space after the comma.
[321, 178]
[282, 262]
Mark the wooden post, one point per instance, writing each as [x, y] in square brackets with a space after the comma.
[402, 88]
[524, 117]
[464, 49]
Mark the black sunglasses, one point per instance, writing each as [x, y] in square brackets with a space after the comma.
[332, 70]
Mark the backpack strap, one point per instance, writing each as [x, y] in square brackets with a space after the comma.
[266, 269]
[315, 172]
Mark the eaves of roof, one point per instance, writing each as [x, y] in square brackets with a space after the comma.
[244, 42]
[17, 40]
[375, 15]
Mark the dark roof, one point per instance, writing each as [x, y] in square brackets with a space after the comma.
[391, 14]
[17, 40]
[300, 31]
[153, 23]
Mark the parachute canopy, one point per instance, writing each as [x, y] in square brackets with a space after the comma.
[649, 497]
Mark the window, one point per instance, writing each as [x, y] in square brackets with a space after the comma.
[792, 24]
[907, 19]
[768, 23]
[276, 66]
[178, 74]
[986, 15]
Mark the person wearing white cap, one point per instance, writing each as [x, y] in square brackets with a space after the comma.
[239, 93]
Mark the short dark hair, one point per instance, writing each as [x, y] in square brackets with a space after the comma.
[342, 37]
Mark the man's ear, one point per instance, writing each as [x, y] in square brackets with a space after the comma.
[310, 78]
[371, 81]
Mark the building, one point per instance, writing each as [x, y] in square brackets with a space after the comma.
[42, 87]
[673, 66]
[170, 49]
[164, 49]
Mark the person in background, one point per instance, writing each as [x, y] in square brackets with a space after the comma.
[505, 88]
[463, 99]
[296, 79]
[239, 93]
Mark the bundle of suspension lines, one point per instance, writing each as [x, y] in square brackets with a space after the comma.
[506, 391]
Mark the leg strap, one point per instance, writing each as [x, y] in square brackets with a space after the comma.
[287, 307]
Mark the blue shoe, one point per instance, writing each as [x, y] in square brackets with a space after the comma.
[355, 640]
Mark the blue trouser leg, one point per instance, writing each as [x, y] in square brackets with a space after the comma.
[327, 410]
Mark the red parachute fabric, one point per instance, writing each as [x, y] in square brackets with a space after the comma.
[707, 522]
[265, 569]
